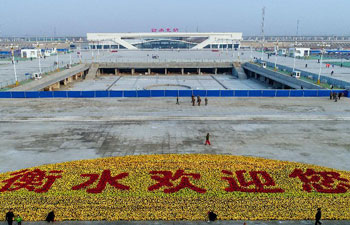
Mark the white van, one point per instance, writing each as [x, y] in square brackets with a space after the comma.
[36, 76]
[296, 74]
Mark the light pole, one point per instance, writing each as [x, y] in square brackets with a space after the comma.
[98, 50]
[14, 65]
[39, 56]
[262, 51]
[276, 51]
[251, 54]
[70, 58]
[295, 51]
[58, 68]
[319, 73]
[238, 55]
[92, 52]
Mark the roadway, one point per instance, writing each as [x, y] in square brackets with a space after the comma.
[341, 73]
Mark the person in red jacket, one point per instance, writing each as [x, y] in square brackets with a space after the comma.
[207, 141]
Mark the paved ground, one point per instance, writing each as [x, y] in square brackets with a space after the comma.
[203, 82]
[43, 131]
[7, 74]
[7, 71]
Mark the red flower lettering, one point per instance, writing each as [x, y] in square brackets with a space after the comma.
[323, 182]
[35, 180]
[105, 178]
[167, 178]
[256, 182]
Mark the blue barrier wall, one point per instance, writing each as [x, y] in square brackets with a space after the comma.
[170, 93]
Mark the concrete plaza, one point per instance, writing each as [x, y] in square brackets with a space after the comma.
[161, 82]
[43, 131]
[88, 56]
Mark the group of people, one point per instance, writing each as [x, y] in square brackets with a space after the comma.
[10, 217]
[51, 217]
[212, 217]
[193, 100]
[199, 100]
[334, 96]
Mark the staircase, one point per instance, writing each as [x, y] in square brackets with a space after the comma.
[92, 71]
[238, 71]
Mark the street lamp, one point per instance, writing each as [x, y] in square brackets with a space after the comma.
[295, 51]
[14, 64]
[39, 56]
[58, 68]
[319, 73]
[276, 51]
[70, 57]
[92, 52]
[262, 50]
[98, 50]
[251, 54]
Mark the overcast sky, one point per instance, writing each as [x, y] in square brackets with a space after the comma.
[78, 17]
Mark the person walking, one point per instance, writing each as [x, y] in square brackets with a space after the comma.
[193, 100]
[206, 101]
[211, 216]
[19, 220]
[332, 72]
[306, 65]
[318, 216]
[199, 100]
[340, 94]
[177, 100]
[10, 216]
[207, 141]
[50, 217]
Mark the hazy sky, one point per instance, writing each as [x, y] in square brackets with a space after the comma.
[77, 17]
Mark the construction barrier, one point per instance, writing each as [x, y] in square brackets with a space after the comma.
[170, 93]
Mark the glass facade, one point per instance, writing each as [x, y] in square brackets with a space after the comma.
[222, 46]
[164, 44]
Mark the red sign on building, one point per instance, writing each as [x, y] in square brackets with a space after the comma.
[169, 30]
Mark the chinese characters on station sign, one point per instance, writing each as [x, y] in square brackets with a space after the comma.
[39, 181]
[169, 30]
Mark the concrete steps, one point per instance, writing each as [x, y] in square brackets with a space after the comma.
[238, 71]
[92, 71]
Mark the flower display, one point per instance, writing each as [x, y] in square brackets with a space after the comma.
[176, 187]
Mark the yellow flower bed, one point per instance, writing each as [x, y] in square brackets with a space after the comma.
[176, 187]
